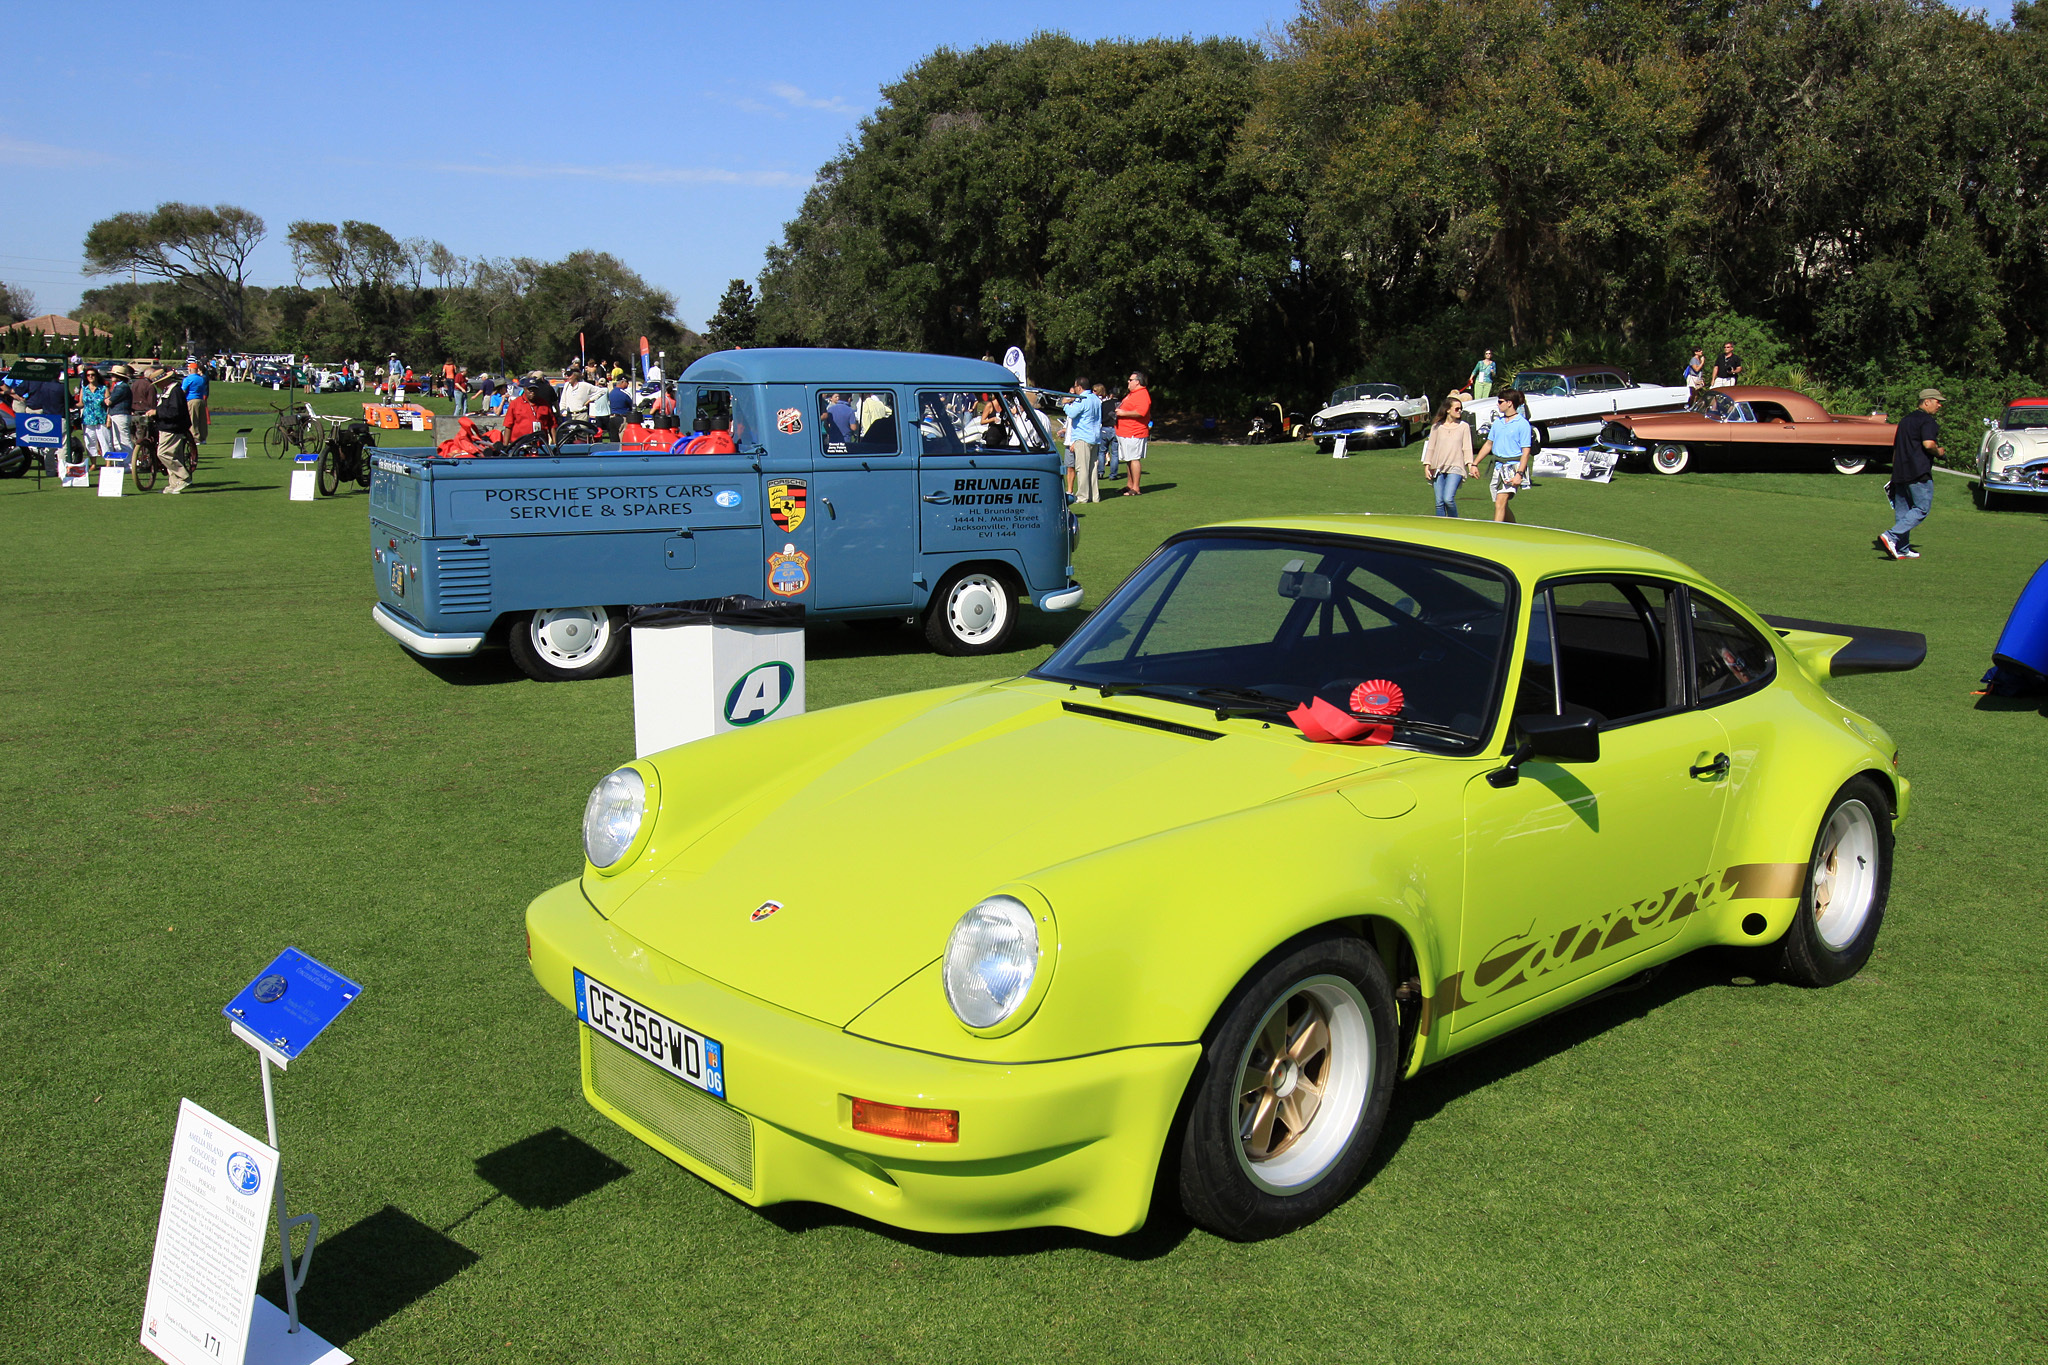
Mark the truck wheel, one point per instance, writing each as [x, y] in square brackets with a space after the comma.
[560, 644]
[973, 612]
[1848, 462]
[1670, 458]
[1291, 1092]
[1848, 882]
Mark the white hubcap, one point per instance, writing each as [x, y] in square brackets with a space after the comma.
[976, 608]
[568, 636]
[1844, 875]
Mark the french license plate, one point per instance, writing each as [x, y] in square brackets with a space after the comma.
[398, 579]
[682, 1052]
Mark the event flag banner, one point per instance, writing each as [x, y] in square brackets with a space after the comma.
[1013, 361]
[643, 357]
[209, 1242]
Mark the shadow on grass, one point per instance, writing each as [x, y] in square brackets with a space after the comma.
[1992, 702]
[1423, 1098]
[549, 1170]
[370, 1272]
[1166, 1229]
[485, 668]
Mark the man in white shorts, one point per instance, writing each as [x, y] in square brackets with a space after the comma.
[1134, 430]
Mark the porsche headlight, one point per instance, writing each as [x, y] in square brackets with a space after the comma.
[611, 818]
[991, 961]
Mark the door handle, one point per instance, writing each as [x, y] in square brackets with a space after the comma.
[831, 512]
[1718, 768]
[938, 497]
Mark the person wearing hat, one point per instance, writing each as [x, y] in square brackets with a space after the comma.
[121, 408]
[1912, 483]
[174, 432]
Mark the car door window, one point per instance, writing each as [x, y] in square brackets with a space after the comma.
[1537, 695]
[1728, 657]
[964, 422]
[1616, 653]
[857, 421]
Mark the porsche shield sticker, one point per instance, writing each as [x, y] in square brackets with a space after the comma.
[789, 421]
[789, 572]
[786, 503]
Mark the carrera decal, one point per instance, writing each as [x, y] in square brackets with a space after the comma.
[789, 421]
[789, 572]
[787, 500]
[1525, 958]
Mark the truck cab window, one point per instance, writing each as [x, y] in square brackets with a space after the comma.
[858, 421]
[962, 422]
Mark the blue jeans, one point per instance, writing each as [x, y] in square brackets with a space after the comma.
[1912, 502]
[461, 402]
[1446, 485]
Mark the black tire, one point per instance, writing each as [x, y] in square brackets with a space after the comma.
[1225, 1184]
[274, 442]
[973, 612]
[1986, 500]
[546, 649]
[361, 471]
[1848, 884]
[1670, 458]
[1540, 435]
[576, 432]
[14, 463]
[1400, 433]
[326, 475]
[1848, 462]
[144, 468]
[532, 443]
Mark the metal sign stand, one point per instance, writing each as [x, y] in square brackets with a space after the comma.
[279, 1014]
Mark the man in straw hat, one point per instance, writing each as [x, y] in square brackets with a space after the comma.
[1914, 451]
[173, 431]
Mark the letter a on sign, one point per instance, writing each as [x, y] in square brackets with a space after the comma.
[758, 694]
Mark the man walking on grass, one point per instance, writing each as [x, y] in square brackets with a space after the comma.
[1912, 484]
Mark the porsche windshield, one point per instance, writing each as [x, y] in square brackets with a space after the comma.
[1256, 626]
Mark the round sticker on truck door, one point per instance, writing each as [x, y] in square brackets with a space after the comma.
[758, 694]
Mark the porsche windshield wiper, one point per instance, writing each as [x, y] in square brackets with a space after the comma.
[1432, 728]
[1248, 701]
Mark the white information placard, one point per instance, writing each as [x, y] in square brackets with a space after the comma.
[209, 1242]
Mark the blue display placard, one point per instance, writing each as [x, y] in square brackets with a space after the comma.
[291, 1001]
[39, 430]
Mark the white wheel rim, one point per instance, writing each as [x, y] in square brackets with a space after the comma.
[1670, 459]
[1845, 465]
[977, 608]
[569, 637]
[1844, 875]
[1302, 1083]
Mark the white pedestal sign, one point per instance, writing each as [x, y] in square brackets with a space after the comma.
[112, 477]
[209, 1242]
[694, 681]
[304, 489]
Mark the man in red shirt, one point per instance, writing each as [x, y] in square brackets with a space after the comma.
[1134, 429]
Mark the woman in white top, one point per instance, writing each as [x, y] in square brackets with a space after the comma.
[1447, 458]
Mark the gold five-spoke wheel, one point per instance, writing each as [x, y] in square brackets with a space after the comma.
[1282, 1083]
[1302, 1083]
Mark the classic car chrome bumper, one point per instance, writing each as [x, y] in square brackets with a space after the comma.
[1363, 429]
[2030, 479]
[426, 643]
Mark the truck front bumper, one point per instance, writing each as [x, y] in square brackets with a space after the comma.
[426, 643]
[1069, 1143]
[1061, 599]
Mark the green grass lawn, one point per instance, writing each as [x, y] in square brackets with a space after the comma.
[210, 752]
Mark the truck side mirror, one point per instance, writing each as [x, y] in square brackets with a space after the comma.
[1561, 739]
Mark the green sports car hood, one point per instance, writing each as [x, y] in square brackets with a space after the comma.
[873, 828]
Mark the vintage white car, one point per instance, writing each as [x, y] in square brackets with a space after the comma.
[1363, 413]
[2014, 456]
[1572, 402]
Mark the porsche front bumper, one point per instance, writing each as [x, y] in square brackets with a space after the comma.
[1070, 1143]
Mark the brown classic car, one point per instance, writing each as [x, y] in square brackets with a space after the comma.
[1749, 425]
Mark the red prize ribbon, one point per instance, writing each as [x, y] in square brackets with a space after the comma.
[1378, 698]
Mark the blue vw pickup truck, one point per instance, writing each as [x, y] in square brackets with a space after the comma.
[861, 485]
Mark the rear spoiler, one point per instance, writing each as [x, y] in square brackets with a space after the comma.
[1831, 650]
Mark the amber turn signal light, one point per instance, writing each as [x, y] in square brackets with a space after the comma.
[913, 1125]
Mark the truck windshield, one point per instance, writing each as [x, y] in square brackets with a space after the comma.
[959, 421]
[1248, 623]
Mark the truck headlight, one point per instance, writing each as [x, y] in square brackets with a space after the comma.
[612, 816]
[991, 961]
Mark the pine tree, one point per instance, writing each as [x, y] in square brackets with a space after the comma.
[732, 326]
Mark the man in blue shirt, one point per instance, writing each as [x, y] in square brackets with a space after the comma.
[620, 405]
[1084, 436]
[839, 413]
[1512, 444]
[195, 386]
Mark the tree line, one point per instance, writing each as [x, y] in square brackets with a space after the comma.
[1854, 191]
[360, 292]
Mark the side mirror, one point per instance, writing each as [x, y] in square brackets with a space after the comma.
[1561, 739]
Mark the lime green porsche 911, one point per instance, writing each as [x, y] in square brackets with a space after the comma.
[1306, 805]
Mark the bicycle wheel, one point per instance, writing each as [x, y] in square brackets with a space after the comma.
[274, 441]
[144, 468]
[328, 477]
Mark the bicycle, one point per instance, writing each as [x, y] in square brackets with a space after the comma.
[143, 463]
[342, 453]
[293, 425]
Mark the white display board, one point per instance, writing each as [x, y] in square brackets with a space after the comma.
[209, 1242]
[1590, 466]
[304, 487]
[112, 479]
[691, 682]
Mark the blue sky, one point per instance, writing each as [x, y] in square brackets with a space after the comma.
[677, 137]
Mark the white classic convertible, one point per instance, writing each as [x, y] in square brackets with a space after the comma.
[2014, 456]
[1572, 402]
[1362, 413]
